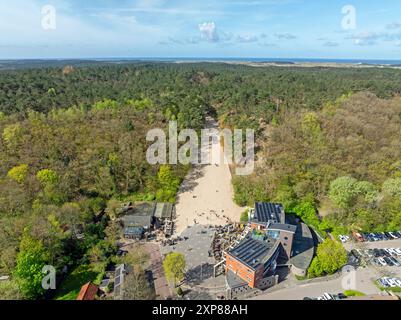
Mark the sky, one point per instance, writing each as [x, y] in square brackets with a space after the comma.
[332, 29]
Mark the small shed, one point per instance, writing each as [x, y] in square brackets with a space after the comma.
[88, 292]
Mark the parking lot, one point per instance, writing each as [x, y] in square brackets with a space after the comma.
[374, 257]
[298, 290]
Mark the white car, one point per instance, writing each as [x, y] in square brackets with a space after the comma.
[393, 235]
[368, 253]
[328, 296]
[398, 251]
[382, 262]
[391, 251]
[397, 281]
[391, 282]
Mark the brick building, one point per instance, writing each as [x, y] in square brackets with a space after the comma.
[270, 240]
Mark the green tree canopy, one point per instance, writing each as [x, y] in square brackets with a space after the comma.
[330, 257]
[174, 267]
[28, 271]
[18, 173]
[392, 187]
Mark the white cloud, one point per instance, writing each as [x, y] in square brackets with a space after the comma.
[285, 36]
[246, 39]
[209, 32]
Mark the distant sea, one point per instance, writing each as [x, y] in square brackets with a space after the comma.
[38, 63]
[260, 60]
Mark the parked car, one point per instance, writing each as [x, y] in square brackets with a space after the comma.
[394, 261]
[358, 237]
[355, 253]
[369, 252]
[384, 253]
[392, 283]
[328, 296]
[393, 235]
[384, 237]
[382, 262]
[388, 261]
[389, 235]
[376, 253]
[383, 282]
[342, 295]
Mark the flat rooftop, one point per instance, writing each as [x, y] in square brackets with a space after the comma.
[253, 252]
[269, 212]
[283, 227]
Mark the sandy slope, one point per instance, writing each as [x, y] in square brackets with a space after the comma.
[206, 194]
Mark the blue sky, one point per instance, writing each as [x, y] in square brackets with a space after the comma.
[189, 28]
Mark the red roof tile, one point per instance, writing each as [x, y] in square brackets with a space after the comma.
[88, 292]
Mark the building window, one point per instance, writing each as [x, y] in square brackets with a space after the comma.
[285, 244]
[285, 238]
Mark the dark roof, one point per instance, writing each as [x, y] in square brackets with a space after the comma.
[283, 227]
[234, 281]
[252, 252]
[88, 292]
[137, 231]
[139, 215]
[303, 248]
[269, 212]
[164, 210]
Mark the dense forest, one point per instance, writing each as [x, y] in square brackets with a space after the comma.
[73, 144]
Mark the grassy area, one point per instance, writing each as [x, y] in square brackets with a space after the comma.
[392, 289]
[71, 286]
[354, 293]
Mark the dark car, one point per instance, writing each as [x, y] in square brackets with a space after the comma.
[355, 253]
[365, 237]
[384, 237]
[388, 236]
[376, 253]
[384, 253]
[342, 296]
[389, 262]
[395, 261]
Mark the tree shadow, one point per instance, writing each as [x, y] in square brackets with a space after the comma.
[197, 275]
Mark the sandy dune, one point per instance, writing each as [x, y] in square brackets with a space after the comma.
[206, 195]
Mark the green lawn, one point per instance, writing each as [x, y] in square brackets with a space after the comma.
[71, 286]
[354, 293]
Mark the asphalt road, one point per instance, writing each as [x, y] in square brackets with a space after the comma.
[298, 290]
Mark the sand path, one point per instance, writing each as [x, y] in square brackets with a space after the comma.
[206, 195]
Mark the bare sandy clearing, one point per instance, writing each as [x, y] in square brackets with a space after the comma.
[206, 195]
